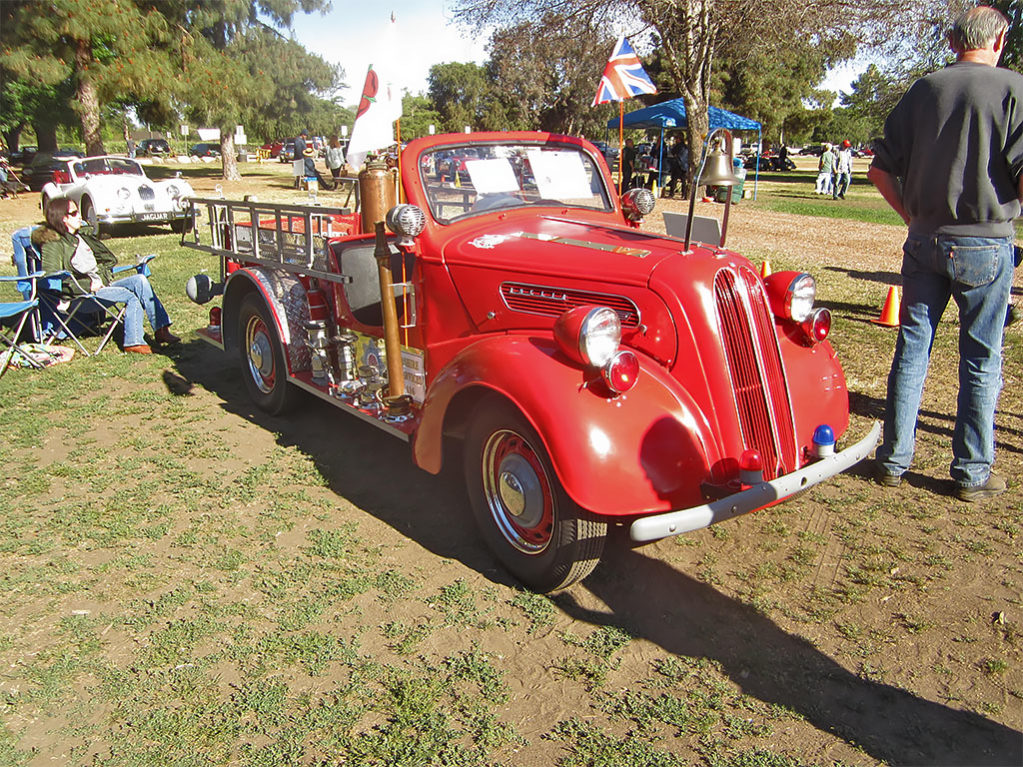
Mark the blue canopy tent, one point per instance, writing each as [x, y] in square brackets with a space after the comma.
[672, 114]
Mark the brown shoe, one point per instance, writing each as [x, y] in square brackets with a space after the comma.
[140, 349]
[164, 336]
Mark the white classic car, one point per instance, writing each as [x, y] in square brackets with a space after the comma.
[115, 190]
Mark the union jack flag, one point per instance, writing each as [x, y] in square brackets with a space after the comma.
[624, 76]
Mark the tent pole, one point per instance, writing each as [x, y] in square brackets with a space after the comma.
[660, 162]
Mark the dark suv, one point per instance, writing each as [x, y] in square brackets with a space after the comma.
[154, 147]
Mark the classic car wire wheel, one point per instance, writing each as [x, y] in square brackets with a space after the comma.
[518, 492]
[260, 354]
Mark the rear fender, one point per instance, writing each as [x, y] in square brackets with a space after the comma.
[285, 297]
[643, 451]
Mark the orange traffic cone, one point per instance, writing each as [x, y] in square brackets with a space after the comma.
[765, 269]
[890, 313]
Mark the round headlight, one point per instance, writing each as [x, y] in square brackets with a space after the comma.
[173, 192]
[589, 334]
[406, 220]
[799, 297]
[123, 193]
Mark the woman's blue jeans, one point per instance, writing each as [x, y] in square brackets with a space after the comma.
[141, 302]
[977, 273]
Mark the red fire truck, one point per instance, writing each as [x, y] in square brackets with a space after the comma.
[513, 315]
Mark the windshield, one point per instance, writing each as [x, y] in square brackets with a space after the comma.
[464, 181]
[101, 166]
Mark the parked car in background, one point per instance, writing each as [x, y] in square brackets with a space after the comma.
[273, 148]
[204, 150]
[40, 170]
[115, 190]
[154, 147]
[814, 150]
[24, 155]
[610, 152]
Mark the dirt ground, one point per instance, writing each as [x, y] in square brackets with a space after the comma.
[925, 702]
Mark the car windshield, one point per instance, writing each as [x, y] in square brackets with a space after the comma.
[111, 166]
[464, 181]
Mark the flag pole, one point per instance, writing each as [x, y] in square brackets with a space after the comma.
[621, 155]
[400, 191]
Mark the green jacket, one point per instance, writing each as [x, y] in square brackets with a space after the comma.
[57, 249]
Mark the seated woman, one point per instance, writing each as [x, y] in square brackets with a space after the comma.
[64, 248]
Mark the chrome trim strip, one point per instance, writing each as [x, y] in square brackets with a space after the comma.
[671, 523]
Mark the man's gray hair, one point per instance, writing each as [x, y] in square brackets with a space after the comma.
[977, 28]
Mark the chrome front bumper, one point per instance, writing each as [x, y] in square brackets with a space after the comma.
[686, 520]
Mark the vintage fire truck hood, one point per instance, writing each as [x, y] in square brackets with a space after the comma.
[562, 248]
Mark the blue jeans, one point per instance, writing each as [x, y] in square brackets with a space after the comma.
[141, 302]
[977, 273]
[841, 186]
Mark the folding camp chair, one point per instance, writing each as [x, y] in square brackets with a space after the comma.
[17, 314]
[76, 316]
[56, 319]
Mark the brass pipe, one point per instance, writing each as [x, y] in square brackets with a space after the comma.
[392, 342]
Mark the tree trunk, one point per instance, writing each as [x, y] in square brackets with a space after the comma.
[87, 100]
[227, 154]
[696, 135]
[12, 138]
[46, 136]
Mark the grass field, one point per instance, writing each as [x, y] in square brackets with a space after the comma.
[187, 581]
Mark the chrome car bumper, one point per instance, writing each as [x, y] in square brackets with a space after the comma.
[686, 520]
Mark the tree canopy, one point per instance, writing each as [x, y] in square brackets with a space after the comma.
[218, 63]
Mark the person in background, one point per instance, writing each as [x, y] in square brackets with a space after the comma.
[65, 248]
[678, 165]
[628, 164]
[304, 152]
[951, 165]
[843, 171]
[825, 169]
[335, 158]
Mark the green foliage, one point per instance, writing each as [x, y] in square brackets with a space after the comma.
[462, 95]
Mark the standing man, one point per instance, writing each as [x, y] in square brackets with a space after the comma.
[950, 164]
[678, 166]
[825, 169]
[628, 164]
[843, 171]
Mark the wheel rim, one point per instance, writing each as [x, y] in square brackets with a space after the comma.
[259, 354]
[518, 492]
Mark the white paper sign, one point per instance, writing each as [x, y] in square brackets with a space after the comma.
[559, 175]
[492, 176]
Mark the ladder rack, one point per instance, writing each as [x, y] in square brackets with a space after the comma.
[290, 237]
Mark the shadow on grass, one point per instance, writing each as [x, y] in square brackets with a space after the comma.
[359, 461]
[686, 617]
[681, 615]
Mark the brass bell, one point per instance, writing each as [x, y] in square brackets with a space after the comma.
[717, 170]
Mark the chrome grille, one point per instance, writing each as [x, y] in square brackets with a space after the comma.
[146, 193]
[754, 364]
[550, 302]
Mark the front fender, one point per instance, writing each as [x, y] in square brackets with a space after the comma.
[643, 451]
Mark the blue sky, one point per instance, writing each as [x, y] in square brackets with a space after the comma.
[351, 35]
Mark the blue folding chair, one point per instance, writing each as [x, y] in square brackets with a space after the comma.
[17, 314]
[57, 319]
